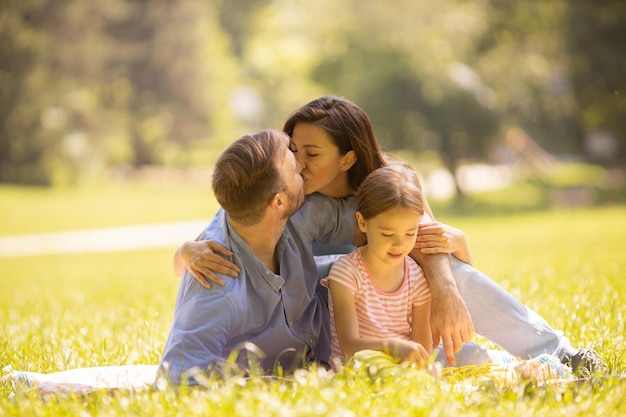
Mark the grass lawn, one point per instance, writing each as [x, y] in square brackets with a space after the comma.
[37, 210]
[66, 311]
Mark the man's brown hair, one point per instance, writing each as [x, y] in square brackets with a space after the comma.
[246, 175]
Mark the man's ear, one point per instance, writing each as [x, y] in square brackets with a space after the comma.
[276, 201]
[280, 201]
[347, 161]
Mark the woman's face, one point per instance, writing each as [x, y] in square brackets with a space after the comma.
[324, 169]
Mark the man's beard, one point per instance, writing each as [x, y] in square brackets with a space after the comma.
[295, 201]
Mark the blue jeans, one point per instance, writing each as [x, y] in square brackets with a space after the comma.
[503, 319]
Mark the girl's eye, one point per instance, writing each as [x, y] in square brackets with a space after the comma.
[387, 234]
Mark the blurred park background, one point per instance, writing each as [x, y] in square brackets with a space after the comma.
[480, 95]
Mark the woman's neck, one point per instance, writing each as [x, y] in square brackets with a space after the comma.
[338, 189]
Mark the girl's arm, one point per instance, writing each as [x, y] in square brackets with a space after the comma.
[348, 331]
[421, 332]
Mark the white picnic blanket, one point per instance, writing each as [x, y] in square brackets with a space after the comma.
[135, 378]
[84, 380]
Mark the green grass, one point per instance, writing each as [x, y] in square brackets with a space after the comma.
[36, 210]
[65, 311]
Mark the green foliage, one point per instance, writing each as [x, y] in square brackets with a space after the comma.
[594, 31]
[87, 86]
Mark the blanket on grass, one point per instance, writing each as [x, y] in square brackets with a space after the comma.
[135, 378]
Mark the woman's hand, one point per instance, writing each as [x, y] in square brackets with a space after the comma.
[202, 259]
[435, 237]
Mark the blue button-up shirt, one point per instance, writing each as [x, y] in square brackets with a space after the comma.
[285, 316]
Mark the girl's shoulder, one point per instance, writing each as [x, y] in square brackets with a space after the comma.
[348, 269]
[413, 267]
[349, 262]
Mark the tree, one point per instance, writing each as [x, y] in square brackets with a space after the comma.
[597, 64]
[402, 74]
[92, 84]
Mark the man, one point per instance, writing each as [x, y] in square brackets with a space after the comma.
[257, 183]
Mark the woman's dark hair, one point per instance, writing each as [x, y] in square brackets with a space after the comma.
[350, 129]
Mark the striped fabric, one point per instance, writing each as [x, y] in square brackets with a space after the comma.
[381, 315]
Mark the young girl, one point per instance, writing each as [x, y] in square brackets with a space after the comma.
[379, 297]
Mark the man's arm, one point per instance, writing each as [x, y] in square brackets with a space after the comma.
[203, 319]
[450, 319]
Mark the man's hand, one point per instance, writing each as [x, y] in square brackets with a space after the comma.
[450, 321]
[202, 259]
[449, 318]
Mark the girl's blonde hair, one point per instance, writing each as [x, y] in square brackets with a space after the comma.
[395, 185]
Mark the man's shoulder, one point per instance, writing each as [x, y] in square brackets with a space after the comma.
[216, 229]
[194, 292]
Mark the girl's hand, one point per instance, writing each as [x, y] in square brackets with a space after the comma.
[408, 351]
[202, 259]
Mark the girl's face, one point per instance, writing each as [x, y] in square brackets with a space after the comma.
[324, 169]
[391, 234]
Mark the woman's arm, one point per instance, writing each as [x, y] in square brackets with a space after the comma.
[202, 259]
[434, 237]
[350, 341]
